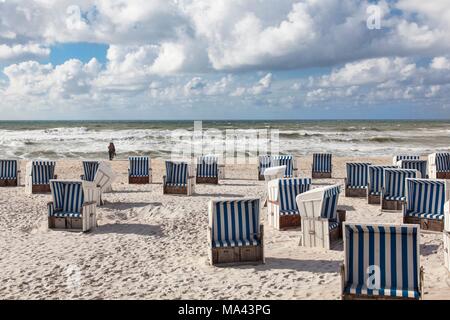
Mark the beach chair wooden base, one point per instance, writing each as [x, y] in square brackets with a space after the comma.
[289, 221]
[373, 199]
[426, 224]
[357, 192]
[443, 175]
[207, 180]
[65, 224]
[175, 190]
[8, 183]
[260, 177]
[391, 205]
[40, 188]
[321, 175]
[138, 180]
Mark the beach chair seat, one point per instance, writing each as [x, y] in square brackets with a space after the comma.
[282, 211]
[356, 181]
[208, 169]
[381, 261]
[393, 192]
[178, 179]
[266, 161]
[320, 216]
[400, 157]
[9, 173]
[235, 234]
[439, 165]
[139, 170]
[73, 206]
[38, 176]
[425, 201]
[419, 165]
[321, 165]
[375, 182]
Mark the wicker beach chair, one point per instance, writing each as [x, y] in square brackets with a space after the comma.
[375, 183]
[89, 170]
[38, 176]
[356, 180]
[322, 165]
[394, 188]
[178, 179]
[9, 173]
[419, 165]
[400, 157]
[208, 169]
[139, 170]
[439, 165]
[267, 161]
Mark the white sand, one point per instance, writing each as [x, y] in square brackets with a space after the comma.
[150, 245]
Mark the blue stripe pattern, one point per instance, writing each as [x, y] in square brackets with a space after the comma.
[8, 169]
[139, 166]
[330, 201]
[289, 188]
[176, 173]
[443, 162]
[267, 161]
[90, 170]
[395, 183]
[357, 175]
[392, 250]
[419, 165]
[426, 199]
[207, 166]
[68, 198]
[376, 178]
[42, 172]
[405, 157]
[322, 162]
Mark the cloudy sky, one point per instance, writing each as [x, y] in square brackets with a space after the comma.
[224, 59]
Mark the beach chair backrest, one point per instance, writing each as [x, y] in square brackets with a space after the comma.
[265, 162]
[376, 178]
[104, 177]
[357, 174]
[208, 166]
[330, 201]
[400, 157]
[319, 203]
[322, 162]
[67, 195]
[8, 169]
[382, 259]
[395, 182]
[426, 196]
[177, 172]
[289, 189]
[90, 169]
[441, 160]
[419, 165]
[234, 221]
[284, 160]
[42, 171]
[139, 166]
[273, 173]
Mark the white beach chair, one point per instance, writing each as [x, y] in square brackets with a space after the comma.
[9, 173]
[38, 176]
[439, 165]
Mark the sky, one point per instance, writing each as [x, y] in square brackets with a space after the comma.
[224, 59]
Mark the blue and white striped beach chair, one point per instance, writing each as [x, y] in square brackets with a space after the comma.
[90, 168]
[375, 183]
[207, 169]
[439, 165]
[267, 161]
[178, 179]
[321, 218]
[425, 200]
[9, 173]
[393, 193]
[322, 165]
[139, 170]
[73, 206]
[400, 157]
[419, 165]
[38, 175]
[235, 234]
[282, 209]
[381, 261]
[357, 179]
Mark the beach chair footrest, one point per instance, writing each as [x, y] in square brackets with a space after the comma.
[40, 188]
[321, 175]
[356, 192]
[443, 175]
[8, 182]
[207, 180]
[139, 180]
[175, 190]
[391, 205]
[373, 199]
[426, 224]
[237, 255]
[65, 223]
[290, 221]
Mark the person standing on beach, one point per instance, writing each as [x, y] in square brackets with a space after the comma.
[111, 150]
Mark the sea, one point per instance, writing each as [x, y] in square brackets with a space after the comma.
[90, 139]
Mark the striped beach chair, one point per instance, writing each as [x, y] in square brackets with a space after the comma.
[139, 170]
[267, 161]
[321, 218]
[381, 261]
[322, 165]
[89, 170]
[282, 209]
[9, 173]
[400, 157]
[375, 183]
[38, 176]
[178, 179]
[235, 234]
[207, 169]
[393, 192]
[419, 165]
[356, 181]
[425, 200]
[439, 165]
[73, 206]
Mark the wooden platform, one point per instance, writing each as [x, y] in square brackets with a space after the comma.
[207, 180]
[320, 175]
[290, 221]
[174, 190]
[8, 183]
[139, 180]
[373, 199]
[391, 205]
[442, 175]
[65, 224]
[40, 188]
[356, 192]
[426, 224]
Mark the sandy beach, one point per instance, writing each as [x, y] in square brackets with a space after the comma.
[154, 246]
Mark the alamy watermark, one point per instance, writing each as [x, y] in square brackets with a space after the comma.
[373, 21]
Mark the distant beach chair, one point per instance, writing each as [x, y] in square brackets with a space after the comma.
[139, 170]
[394, 187]
[322, 165]
[320, 216]
[267, 161]
[208, 169]
[101, 173]
[235, 234]
[439, 165]
[178, 179]
[9, 173]
[425, 200]
[282, 211]
[400, 157]
[382, 262]
[356, 181]
[90, 169]
[73, 206]
[375, 183]
[38, 176]
[419, 165]
[274, 173]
